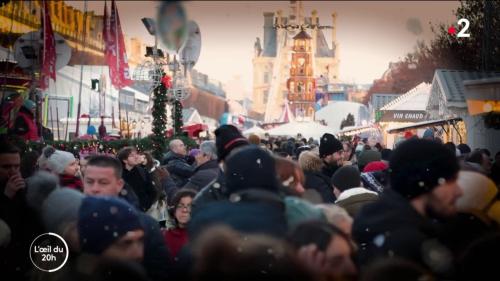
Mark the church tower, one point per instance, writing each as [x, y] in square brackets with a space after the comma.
[301, 84]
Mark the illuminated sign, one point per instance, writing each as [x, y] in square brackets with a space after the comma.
[403, 116]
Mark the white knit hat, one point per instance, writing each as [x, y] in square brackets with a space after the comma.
[55, 160]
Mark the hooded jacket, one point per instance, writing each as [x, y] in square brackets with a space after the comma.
[353, 199]
[203, 175]
[314, 178]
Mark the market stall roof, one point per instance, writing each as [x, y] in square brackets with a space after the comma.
[353, 130]
[415, 99]
[423, 124]
[450, 84]
[306, 129]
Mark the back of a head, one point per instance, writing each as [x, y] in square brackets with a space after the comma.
[479, 195]
[223, 254]
[105, 161]
[464, 149]
[209, 148]
[346, 177]
[118, 270]
[254, 139]
[417, 166]
[477, 262]
[367, 156]
[39, 187]
[310, 161]
[251, 167]
[227, 138]
[386, 154]
[317, 232]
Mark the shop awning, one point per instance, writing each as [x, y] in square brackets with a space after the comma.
[424, 124]
[350, 131]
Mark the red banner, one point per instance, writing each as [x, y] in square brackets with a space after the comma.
[49, 50]
[115, 53]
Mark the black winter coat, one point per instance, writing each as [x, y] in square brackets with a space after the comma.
[321, 183]
[255, 211]
[392, 227]
[178, 167]
[203, 175]
[142, 184]
[214, 191]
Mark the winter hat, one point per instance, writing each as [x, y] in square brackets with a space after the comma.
[417, 166]
[408, 135]
[428, 134]
[251, 167]
[346, 177]
[60, 208]
[193, 152]
[298, 210]
[375, 166]
[368, 156]
[386, 154]
[328, 144]
[479, 195]
[104, 220]
[310, 161]
[29, 104]
[227, 138]
[39, 187]
[56, 160]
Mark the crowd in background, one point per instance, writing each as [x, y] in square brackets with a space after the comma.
[238, 208]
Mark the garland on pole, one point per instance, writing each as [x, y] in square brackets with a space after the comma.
[177, 116]
[159, 113]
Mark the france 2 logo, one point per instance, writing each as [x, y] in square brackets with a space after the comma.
[462, 33]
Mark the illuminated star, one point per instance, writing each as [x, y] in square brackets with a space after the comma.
[452, 30]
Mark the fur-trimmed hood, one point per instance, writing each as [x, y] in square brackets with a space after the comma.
[310, 161]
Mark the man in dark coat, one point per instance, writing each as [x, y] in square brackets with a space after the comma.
[177, 165]
[404, 221]
[227, 139]
[138, 178]
[315, 180]
[103, 178]
[330, 150]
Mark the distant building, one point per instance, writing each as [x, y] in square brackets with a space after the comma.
[272, 59]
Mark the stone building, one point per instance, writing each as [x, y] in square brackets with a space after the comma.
[272, 60]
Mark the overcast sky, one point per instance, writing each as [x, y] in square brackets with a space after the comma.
[370, 33]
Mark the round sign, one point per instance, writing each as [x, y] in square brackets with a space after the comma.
[191, 51]
[27, 50]
[49, 252]
[172, 25]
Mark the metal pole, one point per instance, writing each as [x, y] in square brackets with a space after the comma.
[57, 116]
[51, 119]
[81, 70]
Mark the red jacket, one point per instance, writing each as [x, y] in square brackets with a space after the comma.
[175, 239]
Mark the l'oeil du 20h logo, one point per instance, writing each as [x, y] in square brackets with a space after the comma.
[464, 24]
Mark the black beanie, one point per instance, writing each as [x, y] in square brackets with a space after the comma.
[416, 167]
[251, 167]
[346, 177]
[228, 137]
[328, 144]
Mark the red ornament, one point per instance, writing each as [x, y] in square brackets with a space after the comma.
[166, 81]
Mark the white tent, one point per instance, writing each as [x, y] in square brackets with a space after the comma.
[256, 130]
[306, 129]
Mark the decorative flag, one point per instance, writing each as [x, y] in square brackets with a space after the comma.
[49, 50]
[115, 53]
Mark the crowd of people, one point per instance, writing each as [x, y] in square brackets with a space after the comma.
[238, 208]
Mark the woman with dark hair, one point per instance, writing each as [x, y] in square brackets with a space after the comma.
[180, 212]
